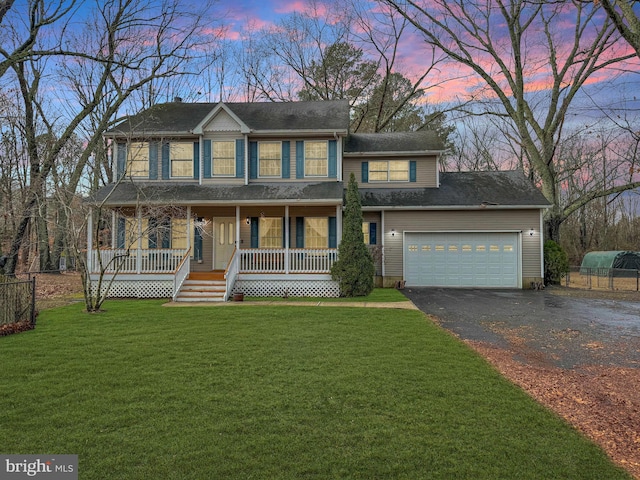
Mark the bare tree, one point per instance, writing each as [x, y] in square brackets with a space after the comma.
[625, 18]
[22, 25]
[511, 61]
[125, 45]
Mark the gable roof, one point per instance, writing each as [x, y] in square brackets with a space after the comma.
[497, 190]
[407, 143]
[178, 118]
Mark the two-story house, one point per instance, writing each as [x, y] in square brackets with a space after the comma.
[212, 199]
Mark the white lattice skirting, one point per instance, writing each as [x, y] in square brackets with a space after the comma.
[139, 289]
[289, 288]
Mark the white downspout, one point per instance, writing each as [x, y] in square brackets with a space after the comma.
[382, 236]
[286, 239]
[139, 251]
[189, 228]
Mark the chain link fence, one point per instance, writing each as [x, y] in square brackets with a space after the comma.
[17, 304]
[603, 279]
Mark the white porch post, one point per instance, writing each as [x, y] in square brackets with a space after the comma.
[114, 228]
[338, 225]
[90, 241]
[237, 227]
[286, 239]
[189, 228]
[383, 234]
[139, 250]
[246, 159]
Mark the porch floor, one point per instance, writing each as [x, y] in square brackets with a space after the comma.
[212, 275]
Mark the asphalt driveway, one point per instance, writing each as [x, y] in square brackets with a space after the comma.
[539, 326]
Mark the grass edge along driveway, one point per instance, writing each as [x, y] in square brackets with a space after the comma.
[269, 392]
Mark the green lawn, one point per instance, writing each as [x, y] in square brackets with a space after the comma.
[147, 392]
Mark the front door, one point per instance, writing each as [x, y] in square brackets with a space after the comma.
[224, 239]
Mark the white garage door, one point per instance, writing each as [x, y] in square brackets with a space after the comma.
[461, 259]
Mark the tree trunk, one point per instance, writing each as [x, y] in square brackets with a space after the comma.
[552, 226]
[42, 232]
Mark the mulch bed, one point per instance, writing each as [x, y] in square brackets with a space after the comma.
[602, 402]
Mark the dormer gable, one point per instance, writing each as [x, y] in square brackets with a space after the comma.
[221, 119]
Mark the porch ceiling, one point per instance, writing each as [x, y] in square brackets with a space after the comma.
[130, 194]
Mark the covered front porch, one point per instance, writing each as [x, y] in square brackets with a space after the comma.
[208, 253]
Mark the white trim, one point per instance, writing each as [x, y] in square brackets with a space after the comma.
[287, 238]
[199, 129]
[201, 159]
[237, 226]
[246, 159]
[114, 230]
[298, 132]
[541, 240]
[382, 230]
[339, 159]
[189, 231]
[338, 225]
[139, 250]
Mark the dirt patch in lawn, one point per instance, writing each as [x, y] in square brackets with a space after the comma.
[55, 289]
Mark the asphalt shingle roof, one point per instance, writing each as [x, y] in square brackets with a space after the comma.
[182, 118]
[128, 193]
[393, 142]
[462, 189]
[457, 189]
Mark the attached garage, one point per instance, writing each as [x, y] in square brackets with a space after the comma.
[465, 259]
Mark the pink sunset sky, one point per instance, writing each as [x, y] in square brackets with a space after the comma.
[448, 82]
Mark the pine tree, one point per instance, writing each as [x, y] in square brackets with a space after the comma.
[354, 268]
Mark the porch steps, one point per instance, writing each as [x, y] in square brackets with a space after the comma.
[203, 287]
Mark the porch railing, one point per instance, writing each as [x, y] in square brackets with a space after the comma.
[276, 260]
[231, 273]
[150, 260]
[181, 274]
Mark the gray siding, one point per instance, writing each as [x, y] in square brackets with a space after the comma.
[292, 161]
[474, 220]
[426, 172]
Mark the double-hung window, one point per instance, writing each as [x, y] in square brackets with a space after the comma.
[269, 159]
[270, 232]
[389, 171]
[181, 155]
[316, 162]
[316, 232]
[138, 159]
[365, 233]
[224, 159]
